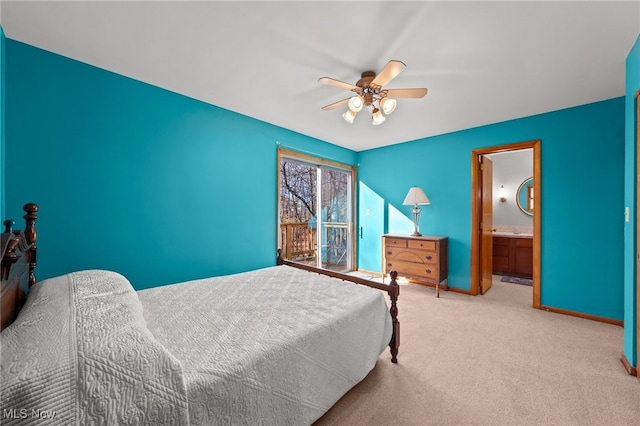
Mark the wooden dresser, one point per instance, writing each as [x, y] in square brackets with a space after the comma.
[421, 259]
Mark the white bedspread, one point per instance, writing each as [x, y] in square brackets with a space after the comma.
[79, 353]
[273, 346]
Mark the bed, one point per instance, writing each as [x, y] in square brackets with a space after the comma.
[278, 345]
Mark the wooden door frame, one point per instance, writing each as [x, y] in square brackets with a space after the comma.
[637, 259]
[476, 193]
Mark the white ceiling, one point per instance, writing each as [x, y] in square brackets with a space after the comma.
[483, 62]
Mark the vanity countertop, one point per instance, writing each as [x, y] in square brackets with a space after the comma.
[511, 234]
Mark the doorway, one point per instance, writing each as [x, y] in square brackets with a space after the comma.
[315, 211]
[482, 216]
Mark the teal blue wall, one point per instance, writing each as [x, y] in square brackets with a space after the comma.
[582, 153]
[130, 177]
[630, 320]
[2, 127]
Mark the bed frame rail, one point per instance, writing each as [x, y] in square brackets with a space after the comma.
[392, 289]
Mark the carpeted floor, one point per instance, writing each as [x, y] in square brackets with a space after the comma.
[493, 360]
[363, 275]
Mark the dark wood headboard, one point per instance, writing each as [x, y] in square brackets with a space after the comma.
[18, 265]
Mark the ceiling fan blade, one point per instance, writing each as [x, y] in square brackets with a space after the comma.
[337, 83]
[388, 73]
[335, 104]
[406, 93]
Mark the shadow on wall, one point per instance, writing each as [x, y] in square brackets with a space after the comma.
[378, 217]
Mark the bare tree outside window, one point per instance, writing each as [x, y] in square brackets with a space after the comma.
[297, 192]
[298, 183]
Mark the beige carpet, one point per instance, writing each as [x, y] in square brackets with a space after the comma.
[493, 360]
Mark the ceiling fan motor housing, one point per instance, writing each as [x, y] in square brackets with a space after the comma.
[365, 84]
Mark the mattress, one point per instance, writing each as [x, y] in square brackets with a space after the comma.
[273, 346]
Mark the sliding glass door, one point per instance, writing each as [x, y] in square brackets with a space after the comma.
[315, 211]
[335, 209]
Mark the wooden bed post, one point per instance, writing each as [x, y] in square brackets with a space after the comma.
[18, 264]
[9, 255]
[30, 236]
[394, 292]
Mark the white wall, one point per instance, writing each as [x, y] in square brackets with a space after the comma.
[510, 169]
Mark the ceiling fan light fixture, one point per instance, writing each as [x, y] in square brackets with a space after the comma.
[356, 103]
[369, 92]
[388, 105]
[377, 117]
[349, 115]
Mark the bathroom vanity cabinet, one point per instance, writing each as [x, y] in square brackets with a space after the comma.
[513, 255]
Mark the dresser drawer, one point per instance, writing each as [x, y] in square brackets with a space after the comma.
[413, 270]
[422, 245]
[414, 256]
[395, 242]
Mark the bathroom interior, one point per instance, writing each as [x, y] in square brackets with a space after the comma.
[513, 211]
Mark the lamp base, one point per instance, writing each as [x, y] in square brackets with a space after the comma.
[416, 221]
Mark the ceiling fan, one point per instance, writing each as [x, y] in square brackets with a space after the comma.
[369, 93]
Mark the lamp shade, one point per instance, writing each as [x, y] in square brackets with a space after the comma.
[416, 196]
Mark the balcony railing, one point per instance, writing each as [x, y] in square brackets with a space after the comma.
[300, 243]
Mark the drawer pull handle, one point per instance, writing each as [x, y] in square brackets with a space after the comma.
[428, 271]
[389, 252]
[429, 257]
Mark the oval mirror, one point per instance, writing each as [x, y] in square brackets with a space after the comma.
[524, 196]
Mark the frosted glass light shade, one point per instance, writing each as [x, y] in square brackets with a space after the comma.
[377, 117]
[416, 196]
[388, 105]
[502, 195]
[355, 103]
[349, 116]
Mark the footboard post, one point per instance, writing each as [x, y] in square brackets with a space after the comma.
[30, 235]
[394, 292]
